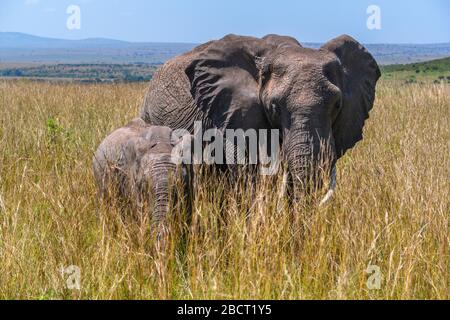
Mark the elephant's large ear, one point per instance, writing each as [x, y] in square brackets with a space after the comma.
[360, 75]
[224, 77]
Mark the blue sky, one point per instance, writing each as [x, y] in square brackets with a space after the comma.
[402, 21]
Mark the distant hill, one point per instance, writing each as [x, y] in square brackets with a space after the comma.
[436, 70]
[403, 53]
[18, 40]
[24, 48]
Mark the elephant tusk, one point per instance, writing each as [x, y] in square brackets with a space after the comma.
[331, 189]
[283, 191]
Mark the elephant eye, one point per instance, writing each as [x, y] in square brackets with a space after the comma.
[337, 105]
[277, 71]
[153, 144]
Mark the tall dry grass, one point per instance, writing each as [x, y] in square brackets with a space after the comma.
[391, 210]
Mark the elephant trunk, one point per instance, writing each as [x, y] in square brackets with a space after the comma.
[159, 171]
[299, 154]
[308, 151]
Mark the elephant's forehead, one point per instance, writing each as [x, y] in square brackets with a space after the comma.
[307, 59]
[159, 133]
[309, 78]
[319, 63]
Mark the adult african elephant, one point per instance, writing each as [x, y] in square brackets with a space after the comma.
[315, 98]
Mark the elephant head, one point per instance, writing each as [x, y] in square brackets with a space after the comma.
[318, 99]
[157, 169]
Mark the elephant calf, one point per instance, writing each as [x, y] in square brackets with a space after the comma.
[137, 162]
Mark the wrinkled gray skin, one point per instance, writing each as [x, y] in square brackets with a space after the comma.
[136, 160]
[318, 99]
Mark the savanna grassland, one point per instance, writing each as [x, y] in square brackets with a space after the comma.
[390, 211]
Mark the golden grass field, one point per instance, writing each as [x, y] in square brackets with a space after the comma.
[391, 210]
